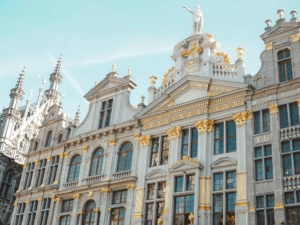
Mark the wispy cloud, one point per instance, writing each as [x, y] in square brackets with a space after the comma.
[69, 76]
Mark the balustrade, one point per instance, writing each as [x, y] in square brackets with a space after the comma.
[70, 185]
[291, 182]
[290, 133]
[121, 175]
[93, 179]
[229, 71]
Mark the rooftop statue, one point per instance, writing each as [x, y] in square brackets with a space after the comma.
[197, 19]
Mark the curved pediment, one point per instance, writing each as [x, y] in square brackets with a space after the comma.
[186, 163]
[223, 162]
[155, 174]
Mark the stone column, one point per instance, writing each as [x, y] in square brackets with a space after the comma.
[277, 165]
[65, 168]
[105, 215]
[130, 203]
[80, 217]
[26, 212]
[38, 212]
[57, 203]
[46, 174]
[204, 128]
[113, 160]
[241, 209]
[96, 211]
[51, 215]
[141, 170]
[84, 165]
[33, 179]
[76, 208]
[13, 216]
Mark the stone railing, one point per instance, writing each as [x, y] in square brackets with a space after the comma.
[93, 179]
[70, 185]
[225, 70]
[159, 91]
[291, 182]
[121, 175]
[290, 133]
[11, 111]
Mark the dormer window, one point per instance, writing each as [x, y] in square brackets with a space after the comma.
[49, 138]
[59, 139]
[285, 65]
[105, 113]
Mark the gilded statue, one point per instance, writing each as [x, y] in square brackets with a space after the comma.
[197, 19]
[191, 218]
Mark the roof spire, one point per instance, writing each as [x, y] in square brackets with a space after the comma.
[58, 65]
[20, 81]
[77, 117]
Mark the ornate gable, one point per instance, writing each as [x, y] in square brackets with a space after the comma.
[280, 28]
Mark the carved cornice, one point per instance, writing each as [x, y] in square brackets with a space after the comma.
[131, 186]
[85, 149]
[137, 136]
[145, 140]
[242, 117]
[204, 126]
[273, 108]
[105, 190]
[174, 132]
[113, 142]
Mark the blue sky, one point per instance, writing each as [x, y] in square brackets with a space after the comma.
[94, 34]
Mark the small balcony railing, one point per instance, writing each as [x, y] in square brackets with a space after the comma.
[93, 179]
[121, 175]
[291, 182]
[290, 133]
[70, 185]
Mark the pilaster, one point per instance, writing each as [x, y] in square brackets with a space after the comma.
[57, 203]
[174, 136]
[76, 208]
[38, 212]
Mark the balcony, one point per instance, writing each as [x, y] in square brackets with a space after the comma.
[70, 185]
[291, 182]
[121, 175]
[290, 133]
[225, 70]
[93, 179]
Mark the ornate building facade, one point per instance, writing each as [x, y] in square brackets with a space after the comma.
[212, 146]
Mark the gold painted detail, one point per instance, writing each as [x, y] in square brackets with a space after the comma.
[191, 66]
[298, 101]
[24, 165]
[204, 126]
[40, 199]
[225, 56]
[166, 211]
[295, 37]
[241, 204]
[105, 190]
[210, 36]
[273, 108]
[279, 206]
[56, 182]
[113, 142]
[90, 195]
[52, 197]
[66, 154]
[97, 210]
[30, 188]
[137, 216]
[160, 221]
[191, 218]
[242, 117]
[43, 185]
[174, 133]
[36, 162]
[27, 202]
[204, 207]
[77, 195]
[130, 186]
[187, 159]
[85, 149]
[145, 140]
[165, 79]
[15, 204]
[48, 158]
[19, 190]
[252, 209]
[137, 136]
[192, 51]
[61, 155]
[269, 46]
[80, 213]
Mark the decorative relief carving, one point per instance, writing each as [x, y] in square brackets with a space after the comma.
[61, 155]
[66, 154]
[113, 142]
[192, 51]
[40, 199]
[241, 204]
[145, 140]
[85, 149]
[210, 36]
[137, 136]
[225, 56]
[174, 133]
[242, 117]
[90, 195]
[187, 159]
[77, 195]
[269, 46]
[252, 209]
[295, 37]
[80, 213]
[298, 101]
[273, 108]
[105, 190]
[15, 204]
[160, 221]
[204, 126]
[130, 186]
[279, 206]
[36, 162]
[191, 66]
[165, 79]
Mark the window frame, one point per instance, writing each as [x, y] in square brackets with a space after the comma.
[45, 209]
[75, 164]
[127, 151]
[190, 142]
[32, 211]
[48, 139]
[265, 209]
[29, 175]
[225, 139]
[119, 219]
[40, 173]
[263, 159]
[287, 117]
[162, 147]
[53, 169]
[262, 125]
[291, 153]
[122, 193]
[98, 163]
[285, 61]
[106, 113]
[20, 213]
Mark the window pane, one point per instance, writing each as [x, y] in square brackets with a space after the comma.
[257, 128]
[287, 165]
[297, 163]
[165, 150]
[292, 215]
[266, 120]
[258, 152]
[258, 170]
[218, 181]
[189, 203]
[194, 144]
[268, 150]
[190, 182]
[269, 168]
[231, 136]
[151, 191]
[161, 189]
[185, 141]
[230, 206]
[294, 114]
[270, 217]
[285, 146]
[231, 180]
[283, 116]
[270, 200]
[260, 217]
[260, 202]
[154, 152]
[179, 205]
[218, 209]
[149, 213]
[179, 184]
[219, 138]
[282, 76]
[296, 145]
[289, 197]
[298, 196]
[160, 208]
[289, 70]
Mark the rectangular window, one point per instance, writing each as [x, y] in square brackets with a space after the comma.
[218, 181]
[159, 209]
[41, 172]
[117, 216]
[270, 200]
[260, 217]
[218, 209]
[161, 189]
[289, 197]
[190, 184]
[230, 207]
[260, 202]
[263, 162]
[257, 122]
[194, 143]
[29, 173]
[262, 121]
[266, 120]
[289, 115]
[65, 220]
[284, 65]
[20, 213]
[119, 197]
[189, 144]
[290, 157]
[149, 213]
[294, 114]
[154, 152]
[231, 136]
[45, 210]
[284, 121]
[293, 215]
[53, 169]
[298, 196]
[231, 180]
[67, 205]
[151, 191]
[265, 211]
[105, 113]
[185, 143]
[184, 205]
[159, 150]
[32, 212]
[178, 184]
[219, 138]
[165, 150]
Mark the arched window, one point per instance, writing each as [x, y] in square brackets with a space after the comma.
[49, 138]
[68, 132]
[36, 144]
[59, 139]
[74, 168]
[97, 162]
[6, 184]
[125, 157]
[89, 214]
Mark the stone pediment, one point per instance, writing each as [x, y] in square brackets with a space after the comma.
[223, 162]
[280, 28]
[156, 174]
[186, 164]
[109, 84]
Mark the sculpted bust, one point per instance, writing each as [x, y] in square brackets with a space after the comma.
[197, 19]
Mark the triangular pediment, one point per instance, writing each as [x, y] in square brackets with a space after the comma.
[185, 165]
[280, 28]
[107, 85]
[223, 163]
[156, 174]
